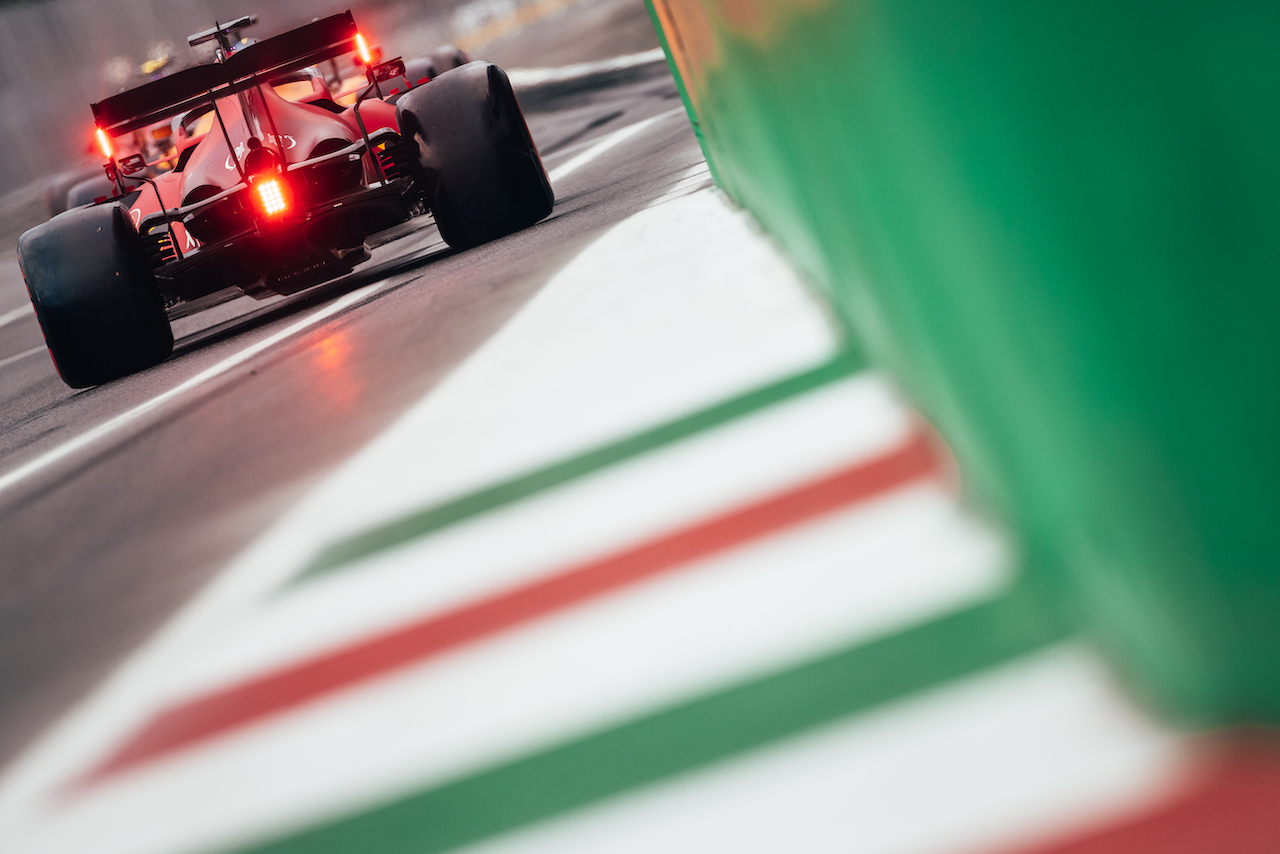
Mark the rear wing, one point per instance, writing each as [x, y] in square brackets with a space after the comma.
[244, 69]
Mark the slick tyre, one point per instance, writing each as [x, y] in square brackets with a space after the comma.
[94, 295]
[480, 172]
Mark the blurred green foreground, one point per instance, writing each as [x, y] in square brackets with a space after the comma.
[1058, 226]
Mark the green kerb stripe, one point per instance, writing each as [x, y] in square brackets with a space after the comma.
[689, 736]
[431, 519]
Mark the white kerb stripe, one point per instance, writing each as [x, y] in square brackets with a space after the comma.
[84, 440]
[996, 761]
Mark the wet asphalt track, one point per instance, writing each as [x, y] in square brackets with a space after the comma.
[99, 548]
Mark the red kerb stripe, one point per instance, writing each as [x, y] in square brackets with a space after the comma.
[1232, 807]
[287, 687]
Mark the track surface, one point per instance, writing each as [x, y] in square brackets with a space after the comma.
[100, 546]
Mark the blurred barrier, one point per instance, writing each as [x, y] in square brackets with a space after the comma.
[1056, 224]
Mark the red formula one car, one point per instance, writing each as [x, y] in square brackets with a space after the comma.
[275, 195]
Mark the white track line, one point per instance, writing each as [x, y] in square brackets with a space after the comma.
[523, 77]
[84, 440]
[607, 142]
[17, 314]
[22, 355]
[569, 149]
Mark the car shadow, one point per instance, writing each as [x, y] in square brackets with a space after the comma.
[367, 274]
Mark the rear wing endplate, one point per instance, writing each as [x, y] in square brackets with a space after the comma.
[187, 89]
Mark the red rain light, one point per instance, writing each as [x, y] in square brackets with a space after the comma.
[104, 142]
[272, 199]
[362, 47]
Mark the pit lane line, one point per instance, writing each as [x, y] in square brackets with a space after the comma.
[529, 77]
[69, 448]
[24, 354]
[609, 141]
[17, 314]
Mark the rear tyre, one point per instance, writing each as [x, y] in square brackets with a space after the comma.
[94, 295]
[480, 171]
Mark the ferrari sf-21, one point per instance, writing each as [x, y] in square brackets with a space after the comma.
[274, 195]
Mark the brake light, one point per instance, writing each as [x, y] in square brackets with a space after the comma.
[362, 47]
[272, 198]
[104, 142]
